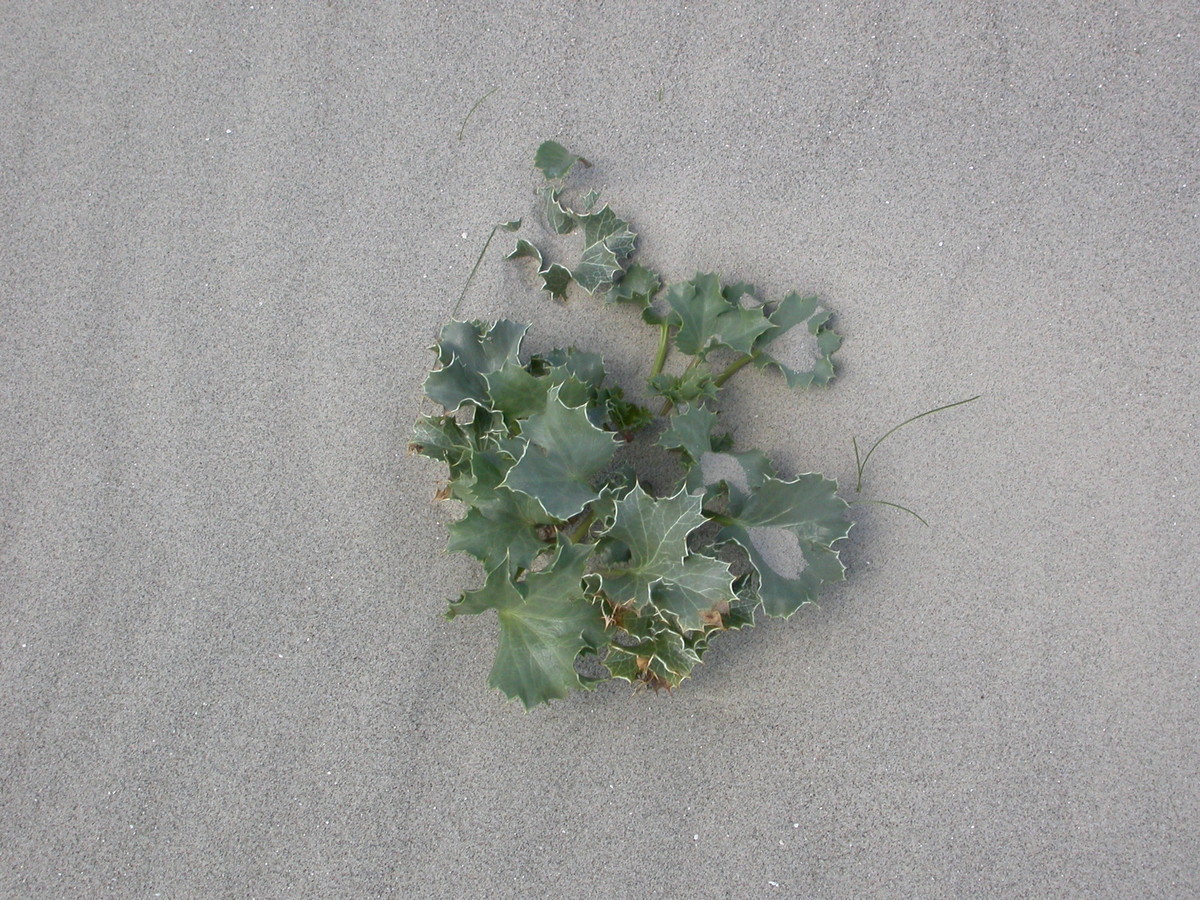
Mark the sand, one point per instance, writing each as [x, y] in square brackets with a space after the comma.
[230, 232]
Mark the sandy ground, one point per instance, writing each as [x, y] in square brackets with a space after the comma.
[229, 233]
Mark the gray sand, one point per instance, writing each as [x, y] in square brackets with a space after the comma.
[780, 550]
[716, 467]
[231, 230]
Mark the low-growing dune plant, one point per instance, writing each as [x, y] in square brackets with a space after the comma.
[582, 558]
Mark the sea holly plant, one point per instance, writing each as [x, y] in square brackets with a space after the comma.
[591, 573]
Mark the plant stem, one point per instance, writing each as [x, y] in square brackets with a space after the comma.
[929, 412]
[718, 518]
[582, 528]
[660, 359]
[734, 367]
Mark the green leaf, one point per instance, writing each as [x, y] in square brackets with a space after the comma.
[440, 438]
[543, 623]
[655, 531]
[564, 452]
[586, 368]
[739, 472]
[560, 220]
[803, 355]
[690, 431]
[555, 280]
[579, 377]
[626, 417]
[467, 352]
[735, 292]
[740, 614]
[788, 528]
[694, 386]
[526, 250]
[554, 160]
[515, 393]
[483, 349]
[506, 529]
[696, 594]
[661, 661]
[476, 479]
[607, 243]
[486, 428]
[707, 319]
[638, 286]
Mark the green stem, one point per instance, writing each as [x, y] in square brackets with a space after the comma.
[733, 369]
[660, 359]
[718, 518]
[582, 528]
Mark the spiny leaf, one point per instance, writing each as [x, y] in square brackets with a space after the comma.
[526, 250]
[543, 623]
[803, 355]
[564, 452]
[696, 593]
[741, 294]
[740, 613]
[691, 432]
[560, 220]
[515, 393]
[661, 661]
[707, 319]
[654, 532]
[607, 243]
[587, 368]
[694, 386]
[788, 529]
[467, 352]
[478, 346]
[739, 472]
[506, 529]
[476, 480]
[555, 278]
[440, 438]
[637, 286]
[500, 523]
[555, 281]
[626, 417]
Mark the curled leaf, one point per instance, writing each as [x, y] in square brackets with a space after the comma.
[554, 160]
